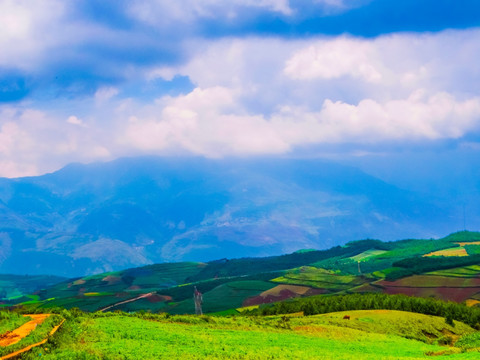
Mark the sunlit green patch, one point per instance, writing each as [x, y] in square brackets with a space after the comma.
[367, 254]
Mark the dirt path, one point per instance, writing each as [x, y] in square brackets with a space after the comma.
[127, 301]
[25, 349]
[18, 334]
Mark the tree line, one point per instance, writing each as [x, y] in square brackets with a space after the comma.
[420, 265]
[372, 301]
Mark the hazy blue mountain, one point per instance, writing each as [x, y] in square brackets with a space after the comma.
[134, 211]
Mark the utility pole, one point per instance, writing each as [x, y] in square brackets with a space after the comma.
[198, 300]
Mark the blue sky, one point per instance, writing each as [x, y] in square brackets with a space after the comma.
[354, 80]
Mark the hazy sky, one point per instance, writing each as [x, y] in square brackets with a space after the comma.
[96, 80]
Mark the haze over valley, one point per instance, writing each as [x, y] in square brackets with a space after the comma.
[86, 219]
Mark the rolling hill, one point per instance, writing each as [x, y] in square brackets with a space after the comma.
[232, 285]
[368, 335]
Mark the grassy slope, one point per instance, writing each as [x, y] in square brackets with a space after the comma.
[421, 327]
[10, 321]
[376, 336]
[41, 332]
[319, 278]
[16, 286]
[330, 271]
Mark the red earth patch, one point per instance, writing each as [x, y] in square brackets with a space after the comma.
[445, 293]
[155, 298]
[282, 295]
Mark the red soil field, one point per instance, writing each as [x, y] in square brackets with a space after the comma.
[282, 292]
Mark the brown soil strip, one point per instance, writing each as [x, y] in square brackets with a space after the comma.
[127, 301]
[18, 334]
[25, 349]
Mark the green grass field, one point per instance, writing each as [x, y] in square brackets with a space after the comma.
[10, 321]
[225, 296]
[367, 335]
[367, 254]
[319, 278]
[15, 286]
[41, 332]
[425, 328]
[466, 271]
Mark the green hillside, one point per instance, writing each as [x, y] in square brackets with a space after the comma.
[401, 267]
[16, 286]
[366, 335]
[10, 321]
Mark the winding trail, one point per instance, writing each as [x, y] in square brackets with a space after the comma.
[18, 334]
[127, 301]
[25, 330]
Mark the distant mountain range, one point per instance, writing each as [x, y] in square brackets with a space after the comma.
[86, 219]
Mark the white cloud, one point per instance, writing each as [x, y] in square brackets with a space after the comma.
[273, 72]
[334, 59]
[29, 29]
[36, 34]
[162, 13]
[207, 122]
[436, 117]
[265, 96]
[34, 142]
[75, 120]
[105, 93]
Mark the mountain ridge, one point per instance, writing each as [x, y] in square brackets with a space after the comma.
[133, 211]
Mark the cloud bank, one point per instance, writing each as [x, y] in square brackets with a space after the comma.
[82, 89]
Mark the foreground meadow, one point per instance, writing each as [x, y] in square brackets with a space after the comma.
[368, 335]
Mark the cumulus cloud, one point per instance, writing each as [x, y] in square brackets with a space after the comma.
[333, 59]
[416, 118]
[33, 141]
[28, 30]
[264, 96]
[257, 96]
[207, 122]
[274, 72]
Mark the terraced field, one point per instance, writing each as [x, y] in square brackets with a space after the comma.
[360, 266]
[457, 251]
[223, 297]
[468, 243]
[452, 288]
[320, 279]
[455, 284]
[464, 272]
